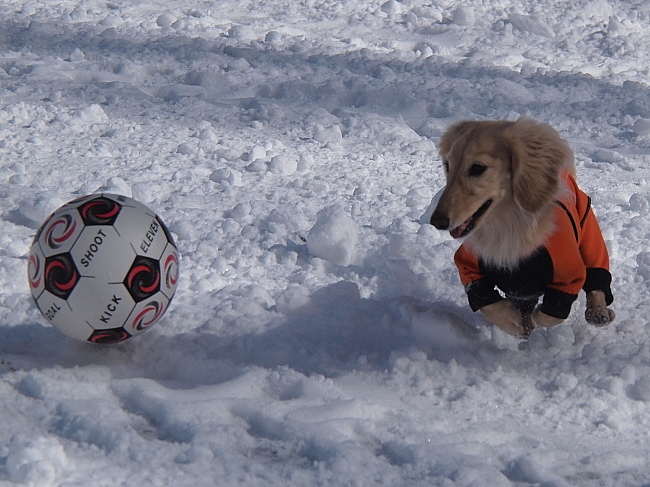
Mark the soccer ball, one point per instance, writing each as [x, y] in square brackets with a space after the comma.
[103, 268]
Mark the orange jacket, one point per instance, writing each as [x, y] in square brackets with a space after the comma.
[574, 257]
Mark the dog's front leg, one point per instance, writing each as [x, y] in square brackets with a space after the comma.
[542, 319]
[506, 317]
[597, 312]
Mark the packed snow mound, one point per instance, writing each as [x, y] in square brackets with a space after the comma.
[334, 236]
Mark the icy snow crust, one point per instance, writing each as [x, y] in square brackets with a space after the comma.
[319, 335]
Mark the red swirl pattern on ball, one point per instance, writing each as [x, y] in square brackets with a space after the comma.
[100, 211]
[60, 275]
[148, 316]
[34, 271]
[171, 270]
[114, 335]
[59, 231]
[143, 280]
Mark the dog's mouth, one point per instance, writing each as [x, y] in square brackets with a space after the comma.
[468, 225]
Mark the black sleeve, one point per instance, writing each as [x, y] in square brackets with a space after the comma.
[557, 303]
[599, 279]
[481, 293]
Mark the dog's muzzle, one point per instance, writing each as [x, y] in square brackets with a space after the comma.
[441, 221]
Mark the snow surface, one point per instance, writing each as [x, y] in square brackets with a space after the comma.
[319, 335]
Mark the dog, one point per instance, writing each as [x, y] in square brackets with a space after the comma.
[527, 230]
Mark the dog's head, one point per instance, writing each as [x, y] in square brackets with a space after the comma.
[489, 165]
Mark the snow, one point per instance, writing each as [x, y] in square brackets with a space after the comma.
[334, 236]
[319, 334]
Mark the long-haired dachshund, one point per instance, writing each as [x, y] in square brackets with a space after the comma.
[528, 231]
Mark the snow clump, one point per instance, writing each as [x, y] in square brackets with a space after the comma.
[334, 236]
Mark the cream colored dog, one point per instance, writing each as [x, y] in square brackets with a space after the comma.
[528, 230]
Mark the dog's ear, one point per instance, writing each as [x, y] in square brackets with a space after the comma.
[538, 155]
[452, 134]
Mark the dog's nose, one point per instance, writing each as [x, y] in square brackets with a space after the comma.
[440, 220]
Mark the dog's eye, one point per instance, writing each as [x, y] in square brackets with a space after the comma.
[446, 166]
[477, 169]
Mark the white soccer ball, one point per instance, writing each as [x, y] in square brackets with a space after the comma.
[103, 268]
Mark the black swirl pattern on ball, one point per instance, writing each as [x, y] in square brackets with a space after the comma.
[171, 271]
[113, 335]
[59, 230]
[143, 279]
[34, 271]
[61, 275]
[148, 316]
[100, 211]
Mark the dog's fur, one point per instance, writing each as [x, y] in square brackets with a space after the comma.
[517, 166]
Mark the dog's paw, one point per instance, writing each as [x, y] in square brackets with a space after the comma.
[599, 316]
[527, 326]
[542, 319]
[506, 317]
[597, 312]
